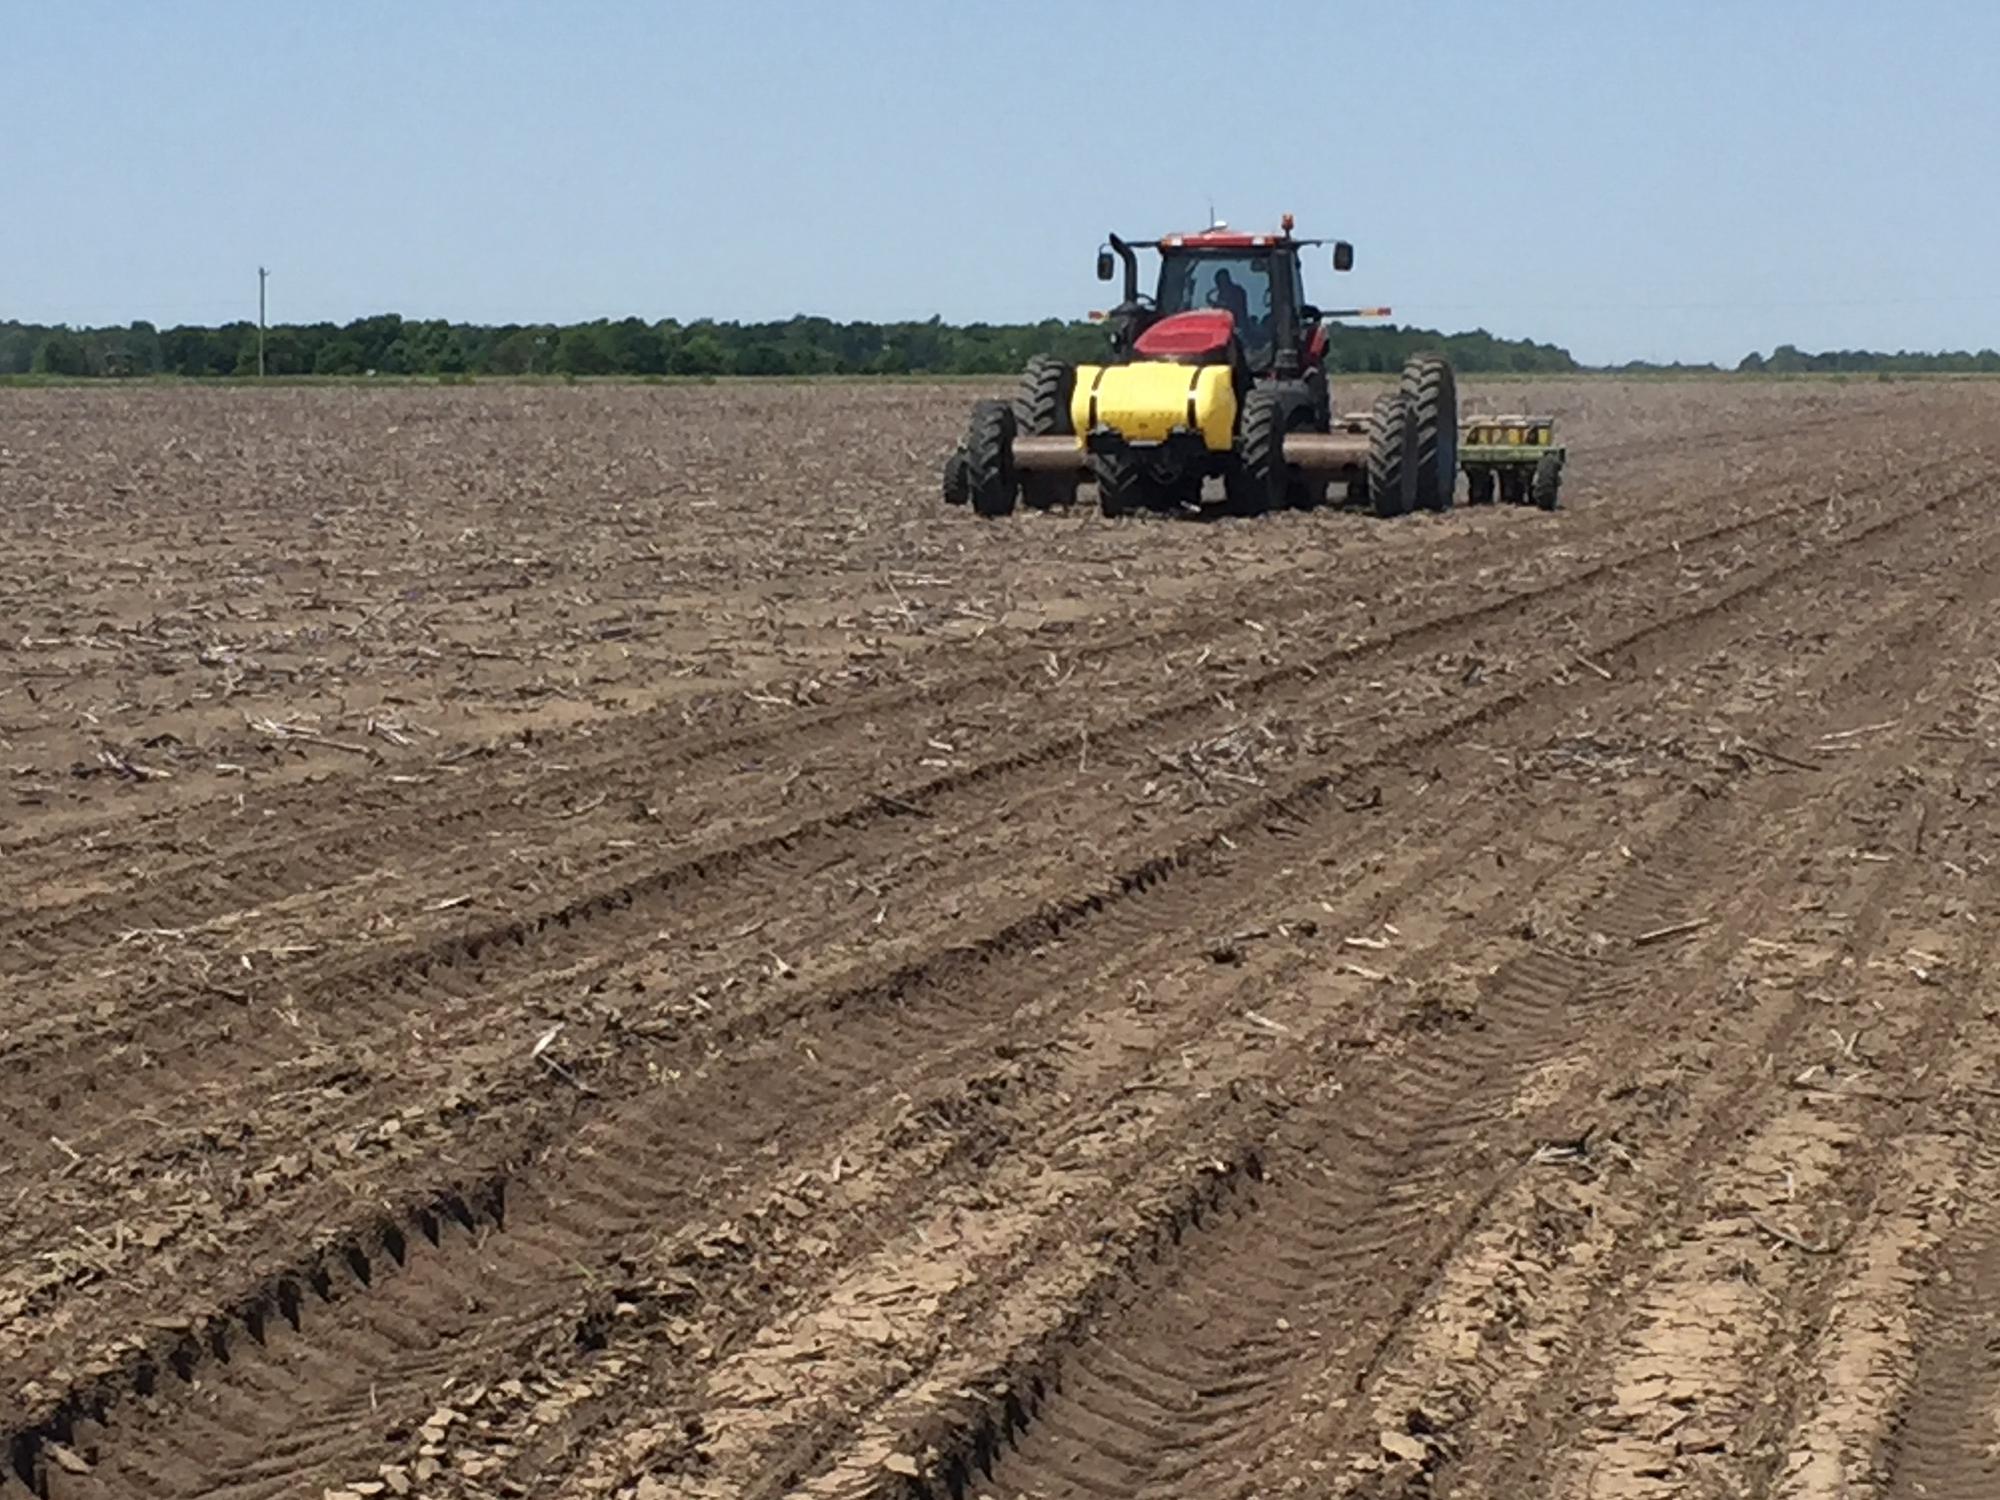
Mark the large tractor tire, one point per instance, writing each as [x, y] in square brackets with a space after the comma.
[990, 481]
[1392, 469]
[1545, 489]
[1041, 409]
[957, 482]
[1257, 481]
[1433, 394]
[1123, 485]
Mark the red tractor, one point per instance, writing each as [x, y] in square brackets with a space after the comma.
[1221, 372]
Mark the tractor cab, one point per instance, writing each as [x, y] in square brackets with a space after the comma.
[1254, 289]
[1218, 285]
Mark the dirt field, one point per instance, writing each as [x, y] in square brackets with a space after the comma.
[600, 942]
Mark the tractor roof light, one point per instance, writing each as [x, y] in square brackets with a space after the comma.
[1285, 223]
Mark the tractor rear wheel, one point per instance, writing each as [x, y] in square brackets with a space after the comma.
[1257, 482]
[1433, 393]
[1392, 470]
[1479, 487]
[991, 483]
[1545, 489]
[1041, 409]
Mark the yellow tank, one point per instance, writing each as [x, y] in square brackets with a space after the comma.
[1145, 402]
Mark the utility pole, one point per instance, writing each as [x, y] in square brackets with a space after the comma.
[261, 275]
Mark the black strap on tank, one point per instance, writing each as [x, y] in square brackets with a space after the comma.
[1095, 381]
[1194, 389]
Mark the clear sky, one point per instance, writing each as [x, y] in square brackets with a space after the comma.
[1631, 178]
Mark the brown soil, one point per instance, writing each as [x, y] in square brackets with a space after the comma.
[602, 942]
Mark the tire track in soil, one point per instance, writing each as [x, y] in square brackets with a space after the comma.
[1449, 864]
[81, 1089]
[1039, 1149]
[851, 1061]
[1943, 1441]
[324, 846]
[1129, 1425]
[733, 1419]
[357, 980]
[1710, 1398]
[226, 995]
[1885, 524]
[872, 806]
[1530, 1298]
[1889, 1323]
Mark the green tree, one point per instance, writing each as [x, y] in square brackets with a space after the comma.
[701, 354]
[586, 349]
[141, 346]
[434, 348]
[340, 355]
[61, 352]
[637, 348]
[761, 359]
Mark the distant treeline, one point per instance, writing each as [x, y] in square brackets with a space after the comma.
[1788, 359]
[391, 345]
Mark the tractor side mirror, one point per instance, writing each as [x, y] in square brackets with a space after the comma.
[1343, 256]
[1105, 269]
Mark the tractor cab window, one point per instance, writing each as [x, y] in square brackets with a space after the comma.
[1238, 284]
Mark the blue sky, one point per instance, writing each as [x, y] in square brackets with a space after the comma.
[1631, 178]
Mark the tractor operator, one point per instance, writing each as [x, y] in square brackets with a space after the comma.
[1232, 299]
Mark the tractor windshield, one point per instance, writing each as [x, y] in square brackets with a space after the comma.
[1236, 282]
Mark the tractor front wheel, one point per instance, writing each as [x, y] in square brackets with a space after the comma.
[1122, 484]
[957, 483]
[991, 482]
[1258, 480]
[1392, 470]
[1479, 487]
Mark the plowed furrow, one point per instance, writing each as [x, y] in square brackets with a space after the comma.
[1364, 1194]
[604, 917]
[1162, 914]
[1529, 1293]
[242, 863]
[1701, 1344]
[1943, 1439]
[168, 1015]
[1400, 1128]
